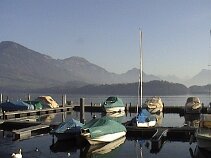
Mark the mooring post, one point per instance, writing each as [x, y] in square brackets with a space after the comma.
[91, 108]
[62, 100]
[29, 97]
[65, 99]
[1, 98]
[126, 108]
[82, 110]
[3, 115]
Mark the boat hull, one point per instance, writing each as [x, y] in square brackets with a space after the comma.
[155, 110]
[114, 109]
[104, 138]
[146, 124]
[190, 110]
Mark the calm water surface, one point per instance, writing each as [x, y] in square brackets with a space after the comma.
[137, 148]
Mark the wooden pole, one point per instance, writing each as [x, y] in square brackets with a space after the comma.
[29, 97]
[65, 99]
[1, 98]
[82, 120]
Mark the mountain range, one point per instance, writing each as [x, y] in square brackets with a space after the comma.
[23, 68]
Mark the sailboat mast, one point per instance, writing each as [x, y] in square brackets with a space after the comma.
[140, 87]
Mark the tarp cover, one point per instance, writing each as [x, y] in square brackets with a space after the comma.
[145, 116]
[15, 106]
[113, 102]
[37, 105]
[68, 125]
[103, 126]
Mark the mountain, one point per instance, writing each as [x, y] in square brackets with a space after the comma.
[21, 67]
[200, 79]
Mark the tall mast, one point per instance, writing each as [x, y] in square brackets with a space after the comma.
[140, 83]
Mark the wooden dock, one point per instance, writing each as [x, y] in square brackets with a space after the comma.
[25, 133]
[132, 109]
[26, 113]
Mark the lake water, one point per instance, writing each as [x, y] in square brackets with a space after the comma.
[50, 148]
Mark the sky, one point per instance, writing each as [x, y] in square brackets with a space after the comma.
[176, 33]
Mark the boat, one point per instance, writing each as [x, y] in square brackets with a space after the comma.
[68, 130]
[153, 104]
[203, 133]
[113, 104]
[193, 105]
[144, 118]
[16, 106]
[47, 102]
[102, 130]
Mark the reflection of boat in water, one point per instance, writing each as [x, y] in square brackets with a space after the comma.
[68, 130]
[159, 118]
[199, 153]
[66, 146]
[105, 147]
[102, 130]
[192, 120]
[193, 105]
[203, 133]
[153, 104]
[113, 104]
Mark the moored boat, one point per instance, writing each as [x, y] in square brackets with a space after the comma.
[68, 130]
[144, 118]
[113, 104]
[153, 104]
[16, 106]
[193, 105]
[102, 130]
[47, 102]
[203, 133]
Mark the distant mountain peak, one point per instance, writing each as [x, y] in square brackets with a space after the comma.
[76, 59]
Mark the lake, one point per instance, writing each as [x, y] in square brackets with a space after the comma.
[48, 147]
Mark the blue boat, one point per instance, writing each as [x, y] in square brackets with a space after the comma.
[144, 117]
[16, 106]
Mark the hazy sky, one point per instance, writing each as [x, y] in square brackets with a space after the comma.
[176, 33]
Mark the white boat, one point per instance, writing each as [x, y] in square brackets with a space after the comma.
[143, 118]
[153, 104]
[193, 105]
[203, 133]
[113, 104]
[102, 130]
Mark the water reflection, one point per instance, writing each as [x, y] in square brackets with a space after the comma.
[199, 153]
[192, 120]
[105, 149]
[86, 150]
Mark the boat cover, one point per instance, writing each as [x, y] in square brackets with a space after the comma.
[15, 106]
[103, 126]
[145, 116]
[113, 102]
[65, 126]
[37, 105]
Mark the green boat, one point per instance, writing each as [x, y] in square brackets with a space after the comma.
[102, 130]
[113, 104]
